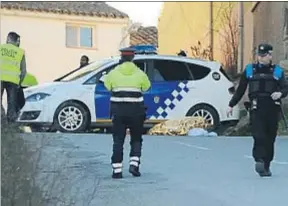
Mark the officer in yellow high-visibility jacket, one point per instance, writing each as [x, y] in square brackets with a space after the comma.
[126, 83]
[12, 71]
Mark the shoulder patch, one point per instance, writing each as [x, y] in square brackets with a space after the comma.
[277, 72]
[249, 71]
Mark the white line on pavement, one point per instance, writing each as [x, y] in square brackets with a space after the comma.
[194, 146]
[246, 137]
[234, 137]
[273, 162]
[248, 156]
[279, 162]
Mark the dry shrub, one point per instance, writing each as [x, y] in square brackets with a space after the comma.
[16, 170]
[34, 175]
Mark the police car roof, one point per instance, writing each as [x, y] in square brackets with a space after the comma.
[203, 62]
[213, 65]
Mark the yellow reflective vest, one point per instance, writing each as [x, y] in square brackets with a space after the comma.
[10, 61]
[127, 75]
[127, 83]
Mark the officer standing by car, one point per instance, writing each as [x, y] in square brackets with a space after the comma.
[13, 71]
[267, 85]
[126, 83]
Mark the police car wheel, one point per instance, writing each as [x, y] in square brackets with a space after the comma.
[207, 112]
[71, 117]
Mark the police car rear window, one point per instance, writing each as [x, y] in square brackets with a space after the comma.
[198, 71]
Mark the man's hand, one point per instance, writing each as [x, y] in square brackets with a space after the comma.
[229, 111]
[276, 95]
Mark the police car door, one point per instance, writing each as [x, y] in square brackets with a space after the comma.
[102, 95]
[169, 86]
[143, 65]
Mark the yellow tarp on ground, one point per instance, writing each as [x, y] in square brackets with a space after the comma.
[179, 127]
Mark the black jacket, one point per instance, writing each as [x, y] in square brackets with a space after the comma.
[283, 86]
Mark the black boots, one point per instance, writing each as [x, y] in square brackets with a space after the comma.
[117, 171]
[134, 171]
[117, 175]
[133, 168]
[263, 169]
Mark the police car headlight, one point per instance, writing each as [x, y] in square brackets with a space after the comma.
[37, 97]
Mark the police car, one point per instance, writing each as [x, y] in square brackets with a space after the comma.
[180, 87]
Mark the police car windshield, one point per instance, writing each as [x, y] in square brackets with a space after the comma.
[86, 70]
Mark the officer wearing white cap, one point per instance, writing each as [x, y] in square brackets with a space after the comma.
[267, 85]
[126, 83]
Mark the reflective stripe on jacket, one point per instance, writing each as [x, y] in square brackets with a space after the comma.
[126, 94]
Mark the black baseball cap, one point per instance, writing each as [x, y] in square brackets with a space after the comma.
[264, 49]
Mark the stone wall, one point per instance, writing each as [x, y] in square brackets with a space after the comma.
[268, 23]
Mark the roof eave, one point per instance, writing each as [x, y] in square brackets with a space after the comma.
[100, 15]
[255, 5]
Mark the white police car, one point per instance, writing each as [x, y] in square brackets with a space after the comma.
[180, 87]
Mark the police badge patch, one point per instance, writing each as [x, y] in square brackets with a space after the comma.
[216, 76]
[156, 99]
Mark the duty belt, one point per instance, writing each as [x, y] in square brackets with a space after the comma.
[254, 103]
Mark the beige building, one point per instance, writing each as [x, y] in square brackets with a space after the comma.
[56, 34]
[183, 24]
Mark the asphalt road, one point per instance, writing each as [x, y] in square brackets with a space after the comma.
[176, 171]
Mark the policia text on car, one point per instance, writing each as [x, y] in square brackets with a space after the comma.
[13, 71]
[126, 83]
[267, 85]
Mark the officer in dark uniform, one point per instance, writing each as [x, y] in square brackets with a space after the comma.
[126, 83]
[267, 85]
